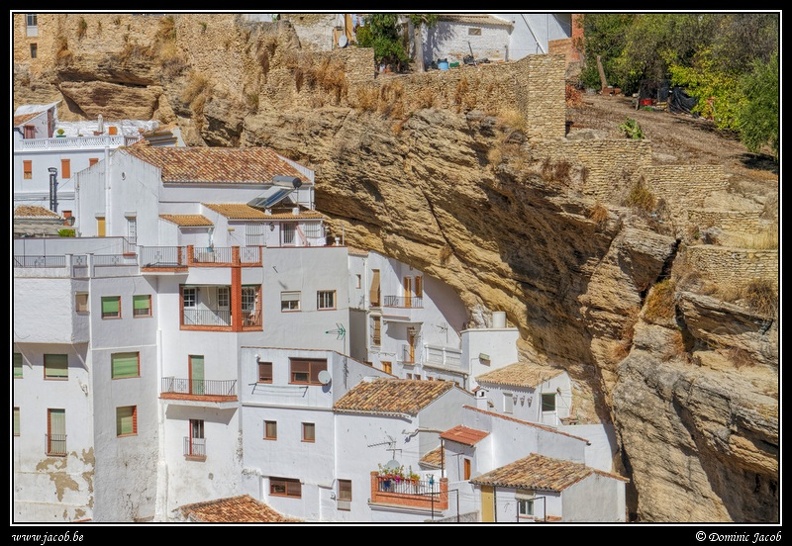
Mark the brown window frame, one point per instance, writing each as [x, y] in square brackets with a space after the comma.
[65, 168]
[285, 487]
[305, 428]
[308, 366]
[345, 490]
[267, 435]
[265, 372]
[27, 169]
[134, 416]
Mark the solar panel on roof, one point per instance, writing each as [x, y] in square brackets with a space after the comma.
[272, 200]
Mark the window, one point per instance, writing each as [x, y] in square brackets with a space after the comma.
[132, 229]
[290, 301]
[195, 444]
[124, 365]
[16, 421]
[56, 367]
[508, 402]
[111, 307]
[81, 302]
[306, 372]
[254, 234]
[65, 168]
[92, 161]
[308, 432]
[196, 370]
[472, 31]
[270, 430]
[285, 487]
[418, 286]
[101, 226]
[188, 295]
[249, 296]
[358, 281]
[126, 421]
[17, 365]
[466, 469]
[141, 306]
[27, 169]
[525, 507]
[345, 491]
[31, 19]
[223, 297]
[325, 299]
[33, 51]
[313, 230]
[387, 367]
[30, 131]
[376, 329]
[287, 233]
[265, 372]
[56, 432]
[548, 401]
[374, 290]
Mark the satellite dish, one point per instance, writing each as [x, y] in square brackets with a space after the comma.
[393, 463]
[325, 377]
[342, 41]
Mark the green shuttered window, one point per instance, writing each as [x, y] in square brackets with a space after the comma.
[125, 365]
[56, 367]
[111, 307]
[126, 420]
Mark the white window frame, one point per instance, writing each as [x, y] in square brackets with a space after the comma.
[290, 301]
[321, 299]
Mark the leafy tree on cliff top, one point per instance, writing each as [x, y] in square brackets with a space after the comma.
[383, 32]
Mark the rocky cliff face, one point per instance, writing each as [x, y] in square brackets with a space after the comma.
[689, 381]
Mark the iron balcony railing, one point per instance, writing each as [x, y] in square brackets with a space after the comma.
[206, 317]
[194, 447]
[212, 255]
[163, 256]
[404, 486]
[199, 387]
[403, 301]
[56, 444]
[39, 261]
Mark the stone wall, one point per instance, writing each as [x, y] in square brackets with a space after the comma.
[734, 267]
[683, 187]
[737, 221]
[610, 163]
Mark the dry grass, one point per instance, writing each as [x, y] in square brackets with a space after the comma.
[464, 97]
[166, 31]
[761, 297]
[425, 98]
[767, 240]
[599, 215]
[63, 53]
[574, 97]
[367, 98]
[740, 357]
[675, 348]
[660, 304]
[495, 156]
[82, 28]
[512, 118]
[640, 197]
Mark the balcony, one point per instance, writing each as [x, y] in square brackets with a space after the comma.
[443, 358]
[198, 390]
[421, 494]
[56, 444]
[206, 317]
[194, 449]
[94, 142]
[403, 302]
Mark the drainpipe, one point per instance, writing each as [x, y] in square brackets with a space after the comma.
[108, 193]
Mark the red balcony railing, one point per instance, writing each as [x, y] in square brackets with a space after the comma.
[413, 493]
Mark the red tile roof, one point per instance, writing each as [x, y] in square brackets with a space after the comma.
[241, 509]
[215, 165]
[464, 435]
[187, 220]
[389, 396]
[540, 472]
[34, 211]
[22, 118]
[433, 458]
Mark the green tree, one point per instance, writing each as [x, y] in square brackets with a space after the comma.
[758, 120]
[417, 21]
[604, 35]
[384, 34]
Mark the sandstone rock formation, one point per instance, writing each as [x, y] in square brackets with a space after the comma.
[447, 179]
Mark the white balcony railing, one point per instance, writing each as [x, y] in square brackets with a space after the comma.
[98, 141]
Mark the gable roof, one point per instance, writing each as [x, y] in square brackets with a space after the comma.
[214, 165]
[464, 435]
[433, 458]
[520, 374]
[27, 112]
[187, 220]
[474, 19]
[539, 472]
[241, 509]
[34, 211]
[548, 428]
[392, 396]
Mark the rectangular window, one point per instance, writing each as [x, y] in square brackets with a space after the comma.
[16, 421]
[508, 402]
[418, 286]
[56, 432]
[525, 507]
[270, 430]
[313, 230]
[223, 297]
[188, 295]
[132, 229]
[124, 365]
[111, 307]
[101, 226]
[65, 169]
[195, 444]
[17, 365]
[27, 169]
[56, 367]
[387, 367]
[376, 330]
[345, 490]
[31, 19]
[472, 31]
[141, 306]
[548, 401]
[285, 487]
[325, 299]
[308, 432]
[33, 51]
[126, 421]
[92, 161]
[466, 469]
[374, 289]
[81, 302]
[287, 233]
[249, 296]
[290, 301]
[254, 234]
[265, 372]
[306, 372]
[358, 281]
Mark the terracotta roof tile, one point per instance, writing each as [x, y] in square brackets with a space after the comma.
[433, 458]
[302, 215]
[241, 509]
[539, 472]
[353, 251]
[187, 220]
[22, 118]
[214, 165]
[475, 19]
[464, 435]
[403, 396]
[236, 211]
[520, 374]
[33, 211]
